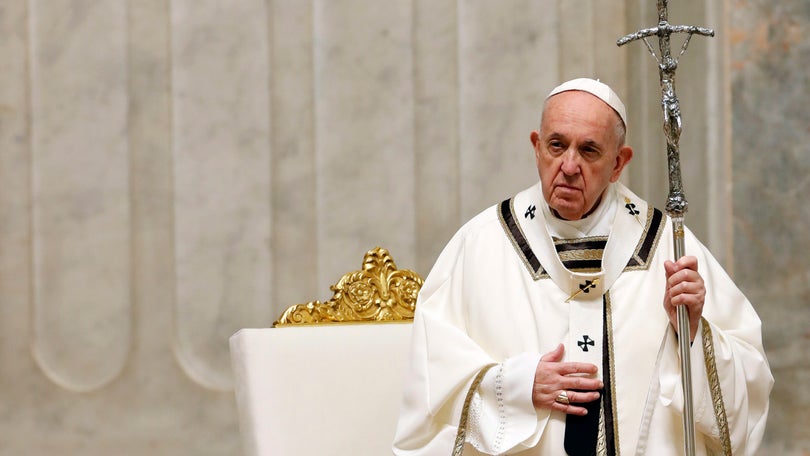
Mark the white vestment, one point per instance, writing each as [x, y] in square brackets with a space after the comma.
[500, 293]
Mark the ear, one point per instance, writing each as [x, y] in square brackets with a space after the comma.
[622, 159]
[535, 139]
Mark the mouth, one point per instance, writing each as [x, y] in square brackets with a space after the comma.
[567, 188]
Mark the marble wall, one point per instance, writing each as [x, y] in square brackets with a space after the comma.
[770, 53]
[174, 170]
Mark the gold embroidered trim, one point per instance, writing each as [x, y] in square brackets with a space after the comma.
[461, 435]
[612, 386]
[714, 387]
[640, 263]
[541, 273]
[561, 241]
[601, 439]
[585, 254]
[643, 264]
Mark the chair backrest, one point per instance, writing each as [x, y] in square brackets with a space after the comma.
[327, 378]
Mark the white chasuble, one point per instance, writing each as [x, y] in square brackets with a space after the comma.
[504, 292]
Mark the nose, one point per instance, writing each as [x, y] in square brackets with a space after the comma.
[570, 162]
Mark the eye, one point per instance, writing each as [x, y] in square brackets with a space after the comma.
[556, 147]
[590, 153]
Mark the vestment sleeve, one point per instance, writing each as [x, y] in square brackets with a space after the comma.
[444, 360]
[730, 374]
[502, 414]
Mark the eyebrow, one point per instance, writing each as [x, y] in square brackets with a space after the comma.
[592, 143]
[586, 143]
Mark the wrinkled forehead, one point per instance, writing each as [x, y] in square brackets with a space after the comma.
[596, 88]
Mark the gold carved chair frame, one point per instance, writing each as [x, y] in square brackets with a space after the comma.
[377, 293]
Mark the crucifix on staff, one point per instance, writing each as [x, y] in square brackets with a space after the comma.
[676, 201]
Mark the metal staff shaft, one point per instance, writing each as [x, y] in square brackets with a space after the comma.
[676, 201]
[684, 344]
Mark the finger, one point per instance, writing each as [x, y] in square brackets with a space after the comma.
[581, 383]
[582, 397]
[569, 409]
[682, 276]
[577, 368]
[693, 302]
[670, 268]
[554, 355]
[684, 287]
[687, 262]
[680, 296]
[683, 300]
[691, 287]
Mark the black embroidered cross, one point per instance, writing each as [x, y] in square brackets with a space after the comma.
[631, 208]
[586, 287]
[530, 211]
[586, 340]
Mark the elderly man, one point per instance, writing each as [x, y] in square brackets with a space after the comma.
[547, 325]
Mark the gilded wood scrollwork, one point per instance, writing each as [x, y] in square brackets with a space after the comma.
[379, 292]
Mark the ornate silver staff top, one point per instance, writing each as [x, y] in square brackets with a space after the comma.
[676, 201]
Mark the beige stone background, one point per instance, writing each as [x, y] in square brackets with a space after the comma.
[174, 170]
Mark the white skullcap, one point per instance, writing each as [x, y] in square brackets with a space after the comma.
[597, 89]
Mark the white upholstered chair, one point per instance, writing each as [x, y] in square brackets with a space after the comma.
[327, 378]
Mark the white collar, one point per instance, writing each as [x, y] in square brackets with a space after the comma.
[536, 235]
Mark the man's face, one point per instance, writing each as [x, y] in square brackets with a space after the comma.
[578, 152]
